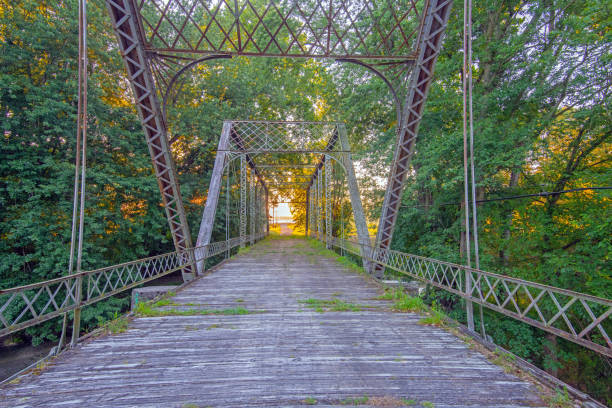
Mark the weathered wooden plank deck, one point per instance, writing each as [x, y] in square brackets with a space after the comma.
[287, 355]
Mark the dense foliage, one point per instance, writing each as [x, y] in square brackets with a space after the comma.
[542, 123]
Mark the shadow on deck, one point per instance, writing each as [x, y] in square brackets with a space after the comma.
[271, 346]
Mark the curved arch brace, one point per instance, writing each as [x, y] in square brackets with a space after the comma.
[396, 100]
[181, 72]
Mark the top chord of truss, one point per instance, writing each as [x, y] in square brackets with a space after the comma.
[360, 29]
[268, 136]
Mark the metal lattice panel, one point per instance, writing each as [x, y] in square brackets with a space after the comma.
[29, 305]
[577, 317]
[321, 28]
[267, 136]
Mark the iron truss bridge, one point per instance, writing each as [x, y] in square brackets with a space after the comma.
[309, 163]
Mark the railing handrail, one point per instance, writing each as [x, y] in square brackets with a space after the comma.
[494, 274]
[59, 295]
[454, 278]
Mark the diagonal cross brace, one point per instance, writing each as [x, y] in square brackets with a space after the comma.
[212, 198]
[131, 44]
[430, 41]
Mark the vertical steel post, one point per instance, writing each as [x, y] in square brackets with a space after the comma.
[361, 225]
[227, 210]
[267, 213]
[319, 206]
[307, 219]
[328, 204]
[469, 309]
[212, 198]
[82, 129]
[243, 199]
[252, 207]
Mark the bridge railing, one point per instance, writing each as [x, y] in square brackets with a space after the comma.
[578, 317]
[29, 305]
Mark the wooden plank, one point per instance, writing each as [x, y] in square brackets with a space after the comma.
[281, 355]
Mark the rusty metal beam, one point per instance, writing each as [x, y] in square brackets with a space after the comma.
[430, 41]
[131, 43]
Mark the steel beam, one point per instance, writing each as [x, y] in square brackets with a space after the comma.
[252, 199]
[430, 41]
[319, 206]
[243, 199]
[308, 213]
[328, 204]
[132, 46]
[212, 198]
[358, 214]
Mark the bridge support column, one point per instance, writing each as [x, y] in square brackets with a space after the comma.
[252, 208]
[435, 21]
[212, 198]
[307, 218]
[132, 46]
[243, 198]
[361, 225]
[319, 207]
[328, 204]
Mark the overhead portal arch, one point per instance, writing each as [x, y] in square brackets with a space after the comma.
[397, 40]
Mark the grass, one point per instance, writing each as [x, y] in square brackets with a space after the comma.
[406, 303]
[40, 367]
[310, 401]
[561, 399]
[355, 401]
[146, 310]
[165, 302]
[504, 360]
[427, 404]
[333, 305]
[119, 324]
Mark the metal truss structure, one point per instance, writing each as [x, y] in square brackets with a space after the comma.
[301, 162]
[160, 40]
[282, 157]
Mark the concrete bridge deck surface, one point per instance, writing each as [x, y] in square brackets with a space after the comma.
[285, 354]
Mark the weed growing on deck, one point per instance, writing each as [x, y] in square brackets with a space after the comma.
[561, 399]
[119, 324]
[355, 401]
[165, 302]
[333, 305]
[145, 310]
[310, 401]
[436, 317]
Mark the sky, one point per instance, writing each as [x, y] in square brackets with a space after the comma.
[281, 210]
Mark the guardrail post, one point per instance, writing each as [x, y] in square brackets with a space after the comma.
[76, 321]
[469, 308]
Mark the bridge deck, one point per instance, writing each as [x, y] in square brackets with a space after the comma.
[286, 355]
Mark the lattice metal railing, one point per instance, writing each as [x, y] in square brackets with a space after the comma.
[578, 317]
[29, 305]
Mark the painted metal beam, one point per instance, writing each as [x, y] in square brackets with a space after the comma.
[430, 41]
[132, 46]
[358, 214]
[212, 197]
